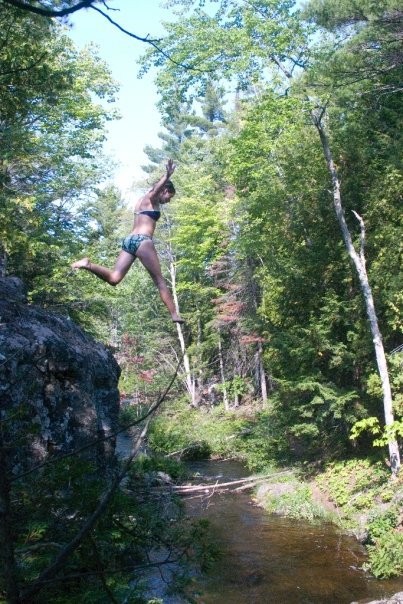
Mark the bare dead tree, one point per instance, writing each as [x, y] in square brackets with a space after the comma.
[358, 259]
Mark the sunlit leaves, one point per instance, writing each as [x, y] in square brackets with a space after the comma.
[237, 41]
[52, 129]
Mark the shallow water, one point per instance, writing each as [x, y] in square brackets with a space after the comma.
[269, 559]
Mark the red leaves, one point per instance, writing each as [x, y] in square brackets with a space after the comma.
[147, 375]
[129, 357]
[128, 340]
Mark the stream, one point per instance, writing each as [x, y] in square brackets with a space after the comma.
[270, 559]
[267, 559]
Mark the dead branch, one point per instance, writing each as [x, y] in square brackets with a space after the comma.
[181, 451]
[101, 569]
[89, 4]
[110, 571]
[34, 547]
[70, 548]
[362, 236]
[148, 40]
[245, 487]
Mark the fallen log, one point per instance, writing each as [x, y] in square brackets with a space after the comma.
[247, 483]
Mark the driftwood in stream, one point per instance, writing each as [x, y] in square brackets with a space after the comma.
[235, 485]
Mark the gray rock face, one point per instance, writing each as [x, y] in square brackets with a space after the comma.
[58, 386]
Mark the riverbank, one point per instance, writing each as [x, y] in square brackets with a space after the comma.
[355, 496]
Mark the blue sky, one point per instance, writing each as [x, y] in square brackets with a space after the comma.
[140, 122]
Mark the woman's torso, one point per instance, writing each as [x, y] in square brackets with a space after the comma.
[145, 223]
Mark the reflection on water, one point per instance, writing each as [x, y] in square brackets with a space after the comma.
[269, 559]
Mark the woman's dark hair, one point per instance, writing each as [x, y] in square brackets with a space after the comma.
[170, 186]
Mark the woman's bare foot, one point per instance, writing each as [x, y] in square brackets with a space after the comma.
[177, 319]
[83, 263]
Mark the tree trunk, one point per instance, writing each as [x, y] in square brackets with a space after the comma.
[198, 363]
[261, 374]
[224, 389]
[3, 261]
[190, 383]
[6, 538]
[359, 263]
[260, 379]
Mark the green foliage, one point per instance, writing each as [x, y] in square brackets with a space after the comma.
[386, 556]
[246, 35]
[360, 487]
[145, 463]
[51, 507]
[308, 309]
[236, 387]
[207, 552]
[374, 386]
[380, 523]
[130, 413]
[261, 271]
[304, 420]
[53, 129]
[199, 433]
[263, 443]
[371, 424]
[355, 484]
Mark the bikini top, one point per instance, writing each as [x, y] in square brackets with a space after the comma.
[153, 214]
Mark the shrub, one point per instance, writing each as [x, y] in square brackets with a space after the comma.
[198, 433]
[386, 555]
[144, 464]
[381, 523]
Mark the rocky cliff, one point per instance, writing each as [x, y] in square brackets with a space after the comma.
[58, 386]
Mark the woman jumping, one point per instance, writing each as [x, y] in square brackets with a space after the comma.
[139, 243]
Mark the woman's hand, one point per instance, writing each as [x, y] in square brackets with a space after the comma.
[170, 167]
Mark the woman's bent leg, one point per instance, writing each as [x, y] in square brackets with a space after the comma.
[111, 276]
[149, 259]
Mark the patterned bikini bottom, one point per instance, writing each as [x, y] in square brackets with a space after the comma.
[131, 243]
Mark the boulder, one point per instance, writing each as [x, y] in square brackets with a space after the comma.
[58, 386]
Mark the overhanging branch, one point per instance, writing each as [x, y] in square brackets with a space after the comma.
[46, 12]
[147, 40]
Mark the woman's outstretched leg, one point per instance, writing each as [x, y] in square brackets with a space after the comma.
[149, 259]
[111, 276]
